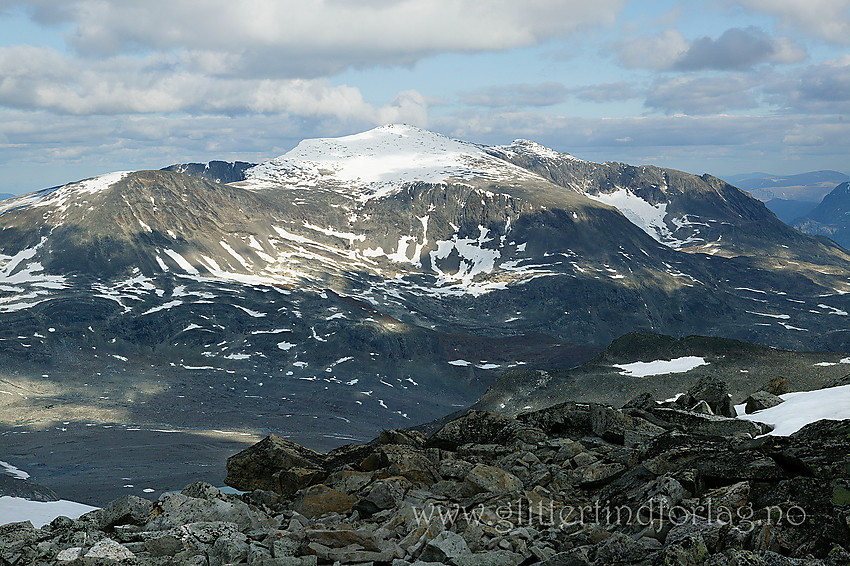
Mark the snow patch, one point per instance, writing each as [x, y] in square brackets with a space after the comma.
[661, 367]
[647, 217]
[802, 408]
[40, 513]
[13, 471]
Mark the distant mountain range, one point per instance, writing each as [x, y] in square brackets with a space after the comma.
[831, 217]
[790, 210]
[808, 187]
[383, 279]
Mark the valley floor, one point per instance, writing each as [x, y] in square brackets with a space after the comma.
[92, 439]
[96, 463]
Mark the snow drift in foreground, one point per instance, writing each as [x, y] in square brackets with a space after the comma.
[15, 509]
[802, 408]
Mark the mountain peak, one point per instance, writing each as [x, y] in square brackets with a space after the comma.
[376, 162]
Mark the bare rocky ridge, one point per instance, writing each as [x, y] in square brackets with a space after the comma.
[573, 484]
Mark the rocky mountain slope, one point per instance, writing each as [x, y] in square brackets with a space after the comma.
[381, 279]
[831, 217]
[664, 367]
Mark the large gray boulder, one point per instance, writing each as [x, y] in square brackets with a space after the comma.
[761, 400]
[175, 509]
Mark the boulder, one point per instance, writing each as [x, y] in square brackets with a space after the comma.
[715, 393]
[621, 549]
[318, 500]
[402, 460]
[484, 478]
[499, 557]
[823, 448]
[128, 510]
[642, 401]
[175, 509]
[165, 545]
[446, 547]
[565, 419]
[709, 425]
[702, 408]
[108, 549]
[289, 481]
[761, 400]
[599, 474]
[69, 554]
[229, 550]
[406, 437]
[258, 466]
[339, 538]
[476, 427]
[384, 494]
[621, 428]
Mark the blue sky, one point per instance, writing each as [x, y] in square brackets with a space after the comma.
[725, 87]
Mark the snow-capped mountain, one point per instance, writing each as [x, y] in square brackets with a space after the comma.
[385, 278]
[378, 162]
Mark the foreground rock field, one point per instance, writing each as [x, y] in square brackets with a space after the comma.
[574, 484]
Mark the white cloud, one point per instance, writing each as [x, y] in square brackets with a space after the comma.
[655, 52]
[517, 95]
[322, 36]
[42, 78]
[734, 49]
[739, 49]
[703, 95]
[818, 89]
[720, 144]
[826, 19]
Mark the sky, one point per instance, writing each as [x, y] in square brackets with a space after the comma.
[723, 86]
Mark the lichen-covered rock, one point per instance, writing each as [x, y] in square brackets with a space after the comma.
[110, 550]
[258, 467]
[476, 427]
[709, 425]
[318, 500]
[492, 479]
[446, 547]
[175, 509]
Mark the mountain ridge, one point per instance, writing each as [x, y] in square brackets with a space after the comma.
[329, 310]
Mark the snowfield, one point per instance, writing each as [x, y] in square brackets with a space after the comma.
[802, 408]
